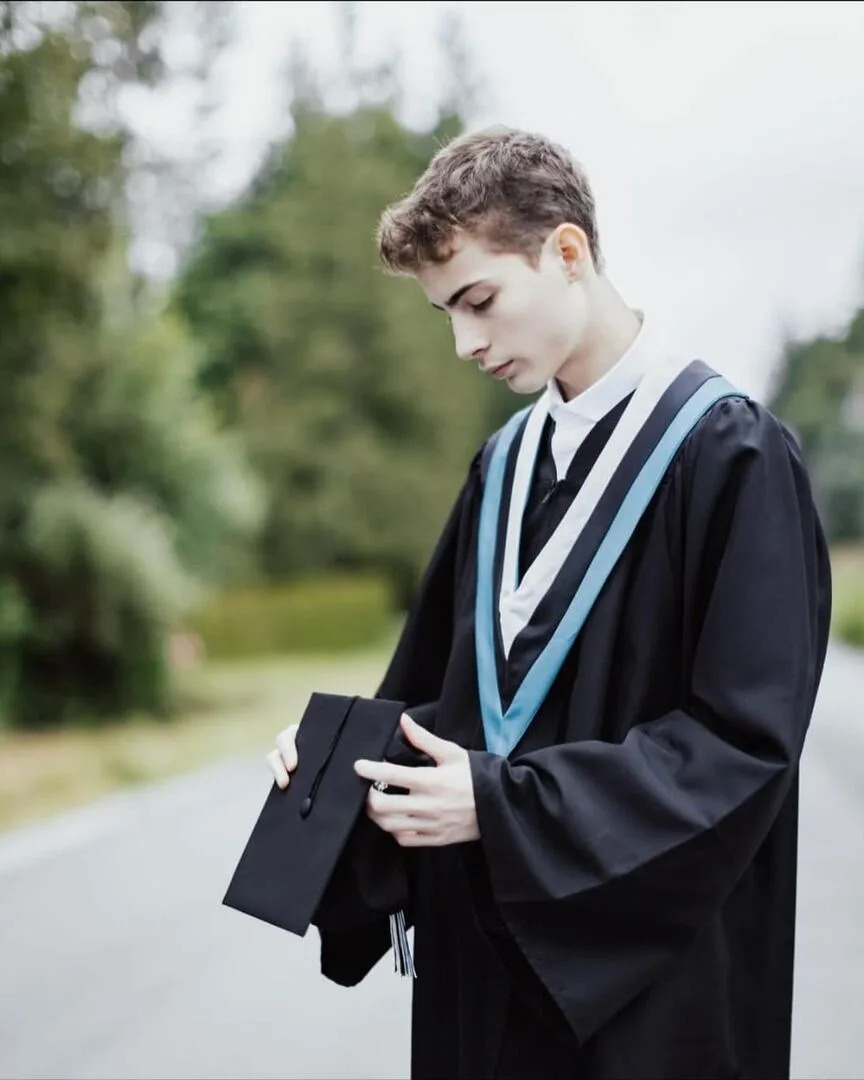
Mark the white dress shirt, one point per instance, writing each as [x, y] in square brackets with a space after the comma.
[646, 370]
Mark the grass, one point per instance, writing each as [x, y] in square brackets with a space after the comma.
[847, 565]
[228, 710]
[235, 708]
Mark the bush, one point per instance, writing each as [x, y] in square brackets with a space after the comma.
[848, 609]
[849, 626]
[318, 615]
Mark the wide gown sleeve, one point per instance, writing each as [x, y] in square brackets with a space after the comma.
[372, 877]
[605, 859]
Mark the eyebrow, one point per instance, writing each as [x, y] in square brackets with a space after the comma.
[457, 296]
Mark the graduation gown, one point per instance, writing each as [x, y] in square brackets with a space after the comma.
[629, 910]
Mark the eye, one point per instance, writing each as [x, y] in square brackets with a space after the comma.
[484, 304]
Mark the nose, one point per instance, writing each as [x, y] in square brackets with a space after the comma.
[470, 344]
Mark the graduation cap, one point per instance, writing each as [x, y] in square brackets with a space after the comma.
[292, 853]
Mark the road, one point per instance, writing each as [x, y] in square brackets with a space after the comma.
[117, 959]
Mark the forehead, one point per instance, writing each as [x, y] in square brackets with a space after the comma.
[470, 261]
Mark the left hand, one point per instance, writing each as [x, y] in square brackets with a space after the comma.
[439, 807]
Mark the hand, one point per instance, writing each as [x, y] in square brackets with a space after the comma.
[283, 760]
[439, 807]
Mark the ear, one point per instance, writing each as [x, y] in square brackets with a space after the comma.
[571, 247]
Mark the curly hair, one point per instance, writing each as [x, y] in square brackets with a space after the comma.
[509, 188]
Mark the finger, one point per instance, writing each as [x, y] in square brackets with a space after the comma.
[403, 839]
[417, 838]
[412, 805]
[286, 742]
[404, 776]
[396, 824]
[277, 767]
[440, 750]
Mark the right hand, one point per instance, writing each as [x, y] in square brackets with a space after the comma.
[283, 760]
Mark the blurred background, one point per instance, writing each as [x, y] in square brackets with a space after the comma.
[229, 442]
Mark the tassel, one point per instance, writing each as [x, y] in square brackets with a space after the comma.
[403, 961]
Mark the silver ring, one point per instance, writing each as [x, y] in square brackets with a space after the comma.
[379, 785]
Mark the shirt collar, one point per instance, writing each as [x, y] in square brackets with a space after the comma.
[602, 396]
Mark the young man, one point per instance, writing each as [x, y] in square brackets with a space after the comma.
[612, 661]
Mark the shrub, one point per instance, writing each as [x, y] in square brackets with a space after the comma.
[848, 608]
[317, 615]
[849, 626]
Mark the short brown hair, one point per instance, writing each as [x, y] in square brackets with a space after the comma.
[510, 188]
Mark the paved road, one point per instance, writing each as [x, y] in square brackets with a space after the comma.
[117, 959]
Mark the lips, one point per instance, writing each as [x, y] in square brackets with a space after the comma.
[501, 370]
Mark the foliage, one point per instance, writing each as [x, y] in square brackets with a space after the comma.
[316, 615]
[847, 616]
[120, 496]
[127, 427]
[343, 381]
[819, 392]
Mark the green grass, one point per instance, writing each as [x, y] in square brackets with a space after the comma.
[227, 709]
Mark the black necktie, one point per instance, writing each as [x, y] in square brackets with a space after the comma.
[550, 498]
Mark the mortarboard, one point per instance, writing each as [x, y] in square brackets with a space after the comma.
[292, 853]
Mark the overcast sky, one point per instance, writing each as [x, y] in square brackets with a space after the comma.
[724, 141]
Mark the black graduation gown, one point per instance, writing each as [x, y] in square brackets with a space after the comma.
[629, 911]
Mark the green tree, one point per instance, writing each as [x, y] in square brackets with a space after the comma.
[819, 391]
[120, 494]
[356, 413]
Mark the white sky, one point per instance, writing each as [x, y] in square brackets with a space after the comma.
[724, 141]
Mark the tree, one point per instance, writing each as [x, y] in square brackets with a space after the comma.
[356, 414]
[119, 492]
[819, 391]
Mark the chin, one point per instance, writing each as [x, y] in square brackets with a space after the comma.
[526, 382]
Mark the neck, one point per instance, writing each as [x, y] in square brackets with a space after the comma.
[611, 331]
